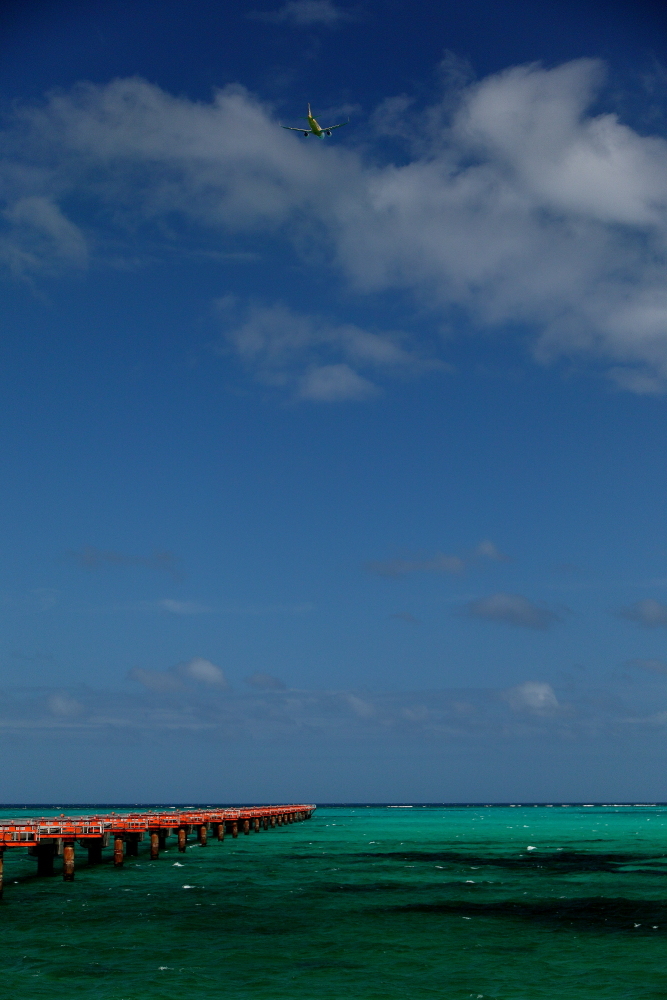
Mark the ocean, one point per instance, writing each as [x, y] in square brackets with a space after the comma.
[454, 902]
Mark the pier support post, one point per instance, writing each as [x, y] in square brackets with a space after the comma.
[118, 852]
[94, 851]
[162, 838]
[273, 821]
[246, 826]
[265, 822]
[235, 829]
[255, 824]
[68, 861]
[182, 839]
[2, 866]
[203, 834]
[155, 845]
[221, 831]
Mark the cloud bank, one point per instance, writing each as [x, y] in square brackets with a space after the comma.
[512, 204]
[194, 697]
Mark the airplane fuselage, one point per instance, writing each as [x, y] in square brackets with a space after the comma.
[314, 128]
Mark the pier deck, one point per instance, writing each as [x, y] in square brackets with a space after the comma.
[56, 836]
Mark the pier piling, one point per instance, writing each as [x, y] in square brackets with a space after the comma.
[182, 839]
[221, 831]
[118, 846]
[2, 864]
[68, 861]
[203, 834]
[235, 829]
[155, 845]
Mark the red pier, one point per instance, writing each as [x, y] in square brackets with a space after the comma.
[50, 837]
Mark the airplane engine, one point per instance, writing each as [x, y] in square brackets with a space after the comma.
[328, 132]
[306, 134]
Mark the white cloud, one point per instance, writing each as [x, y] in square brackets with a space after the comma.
[159, 681]
[330, 383]
[204, 672]
[532, 696]
[489, 550]
[517, 207]
[512, 609]
[41, 237]
[167, 681]
[305, 13]
[649, 613]
[361, 708]
[64, 705]
[316, 359]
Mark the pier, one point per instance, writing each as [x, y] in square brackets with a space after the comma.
[48, 838]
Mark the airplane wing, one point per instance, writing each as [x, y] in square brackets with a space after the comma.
[330, 128]
[290, 129]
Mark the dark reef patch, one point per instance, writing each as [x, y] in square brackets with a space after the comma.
[558, 862]
[595, 912]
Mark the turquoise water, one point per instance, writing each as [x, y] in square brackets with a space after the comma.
[359, 902]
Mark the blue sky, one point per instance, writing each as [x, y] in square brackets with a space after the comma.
[333, 471]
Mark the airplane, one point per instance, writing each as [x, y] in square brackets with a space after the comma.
[314, 128]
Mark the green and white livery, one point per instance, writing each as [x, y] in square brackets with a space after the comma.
[314, 128]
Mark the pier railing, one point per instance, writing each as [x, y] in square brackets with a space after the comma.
[50, 837]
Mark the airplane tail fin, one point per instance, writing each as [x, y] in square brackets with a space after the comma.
[309, 114]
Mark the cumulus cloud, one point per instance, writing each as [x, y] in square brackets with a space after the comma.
[514, 203]
[532, 696]
[64, 705]
[305, 13]
[649, 613]
[438, 563]
[91, 558]
[512, 609]
[203, 671]
[198, 669]
[489, 550]
[316, 359]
